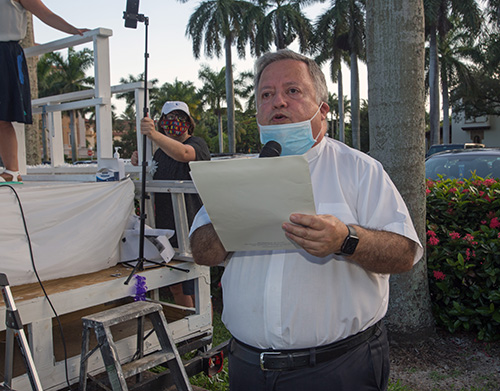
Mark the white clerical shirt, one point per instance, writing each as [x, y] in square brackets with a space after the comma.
[293, 300]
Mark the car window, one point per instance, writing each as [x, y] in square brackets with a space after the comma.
[462, 166]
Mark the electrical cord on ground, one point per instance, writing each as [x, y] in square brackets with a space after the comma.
[40, 282]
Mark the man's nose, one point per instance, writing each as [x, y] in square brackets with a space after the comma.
[279, 100]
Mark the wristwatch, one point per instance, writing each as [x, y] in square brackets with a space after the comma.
[350, 242]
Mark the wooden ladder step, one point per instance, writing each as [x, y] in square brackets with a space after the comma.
[146, 362]
[117, 373]
[121, 314]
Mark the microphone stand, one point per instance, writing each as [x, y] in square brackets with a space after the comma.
[140, 260]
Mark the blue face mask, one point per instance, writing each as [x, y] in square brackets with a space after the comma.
[295, 139]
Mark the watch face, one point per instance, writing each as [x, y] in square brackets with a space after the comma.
[350, 246]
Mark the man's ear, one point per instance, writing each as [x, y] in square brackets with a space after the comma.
[324, 110]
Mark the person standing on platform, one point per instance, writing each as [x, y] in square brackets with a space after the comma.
[15, 94]
[177, 146]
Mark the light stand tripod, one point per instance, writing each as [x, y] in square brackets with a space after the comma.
[131, 17]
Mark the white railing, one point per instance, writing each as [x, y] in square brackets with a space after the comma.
[99, 97]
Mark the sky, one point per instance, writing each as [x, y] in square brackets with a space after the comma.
[170, 51]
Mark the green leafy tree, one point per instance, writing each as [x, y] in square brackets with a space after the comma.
[178, 90]
[213, 95]
[129, 96]
[458, 54]
[244, 87]
[282, 25]
[339, 36]
[59, 75]
[335, 118]
[218, 24]
[483, 96]
[437, 21]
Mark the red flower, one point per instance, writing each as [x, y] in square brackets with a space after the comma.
[494, 223]
[469, 238]
[439, 275]
[433, 241]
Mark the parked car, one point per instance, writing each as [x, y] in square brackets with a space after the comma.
[485, 162]
[446, 147]
[85, 162]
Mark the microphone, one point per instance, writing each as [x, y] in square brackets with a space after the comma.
[271, 149]
[131, 14]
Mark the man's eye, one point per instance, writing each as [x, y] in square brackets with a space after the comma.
[293, 90]
[265, 95]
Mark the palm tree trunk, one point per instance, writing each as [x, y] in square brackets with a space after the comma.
[280, 42]
[446, 105]
[341, 106]
[230, 97]
[395, 60]
[72, 127]
[356, 138]
[332, 123]
[219, 131]
[32, 131]
[433, 88]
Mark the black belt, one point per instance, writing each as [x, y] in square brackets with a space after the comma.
[273, 360]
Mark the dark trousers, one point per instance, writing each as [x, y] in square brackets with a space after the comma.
[365, 368]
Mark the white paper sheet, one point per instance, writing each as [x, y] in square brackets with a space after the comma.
[249, 199]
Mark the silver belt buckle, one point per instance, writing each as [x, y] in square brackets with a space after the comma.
[262, 357]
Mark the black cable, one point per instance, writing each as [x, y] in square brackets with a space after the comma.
[40, 282]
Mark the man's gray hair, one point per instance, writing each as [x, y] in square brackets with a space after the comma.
[286, 54]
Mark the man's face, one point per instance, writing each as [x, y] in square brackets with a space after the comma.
[286, 94]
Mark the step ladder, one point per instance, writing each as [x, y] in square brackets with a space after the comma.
[14, 328]
[117, 373]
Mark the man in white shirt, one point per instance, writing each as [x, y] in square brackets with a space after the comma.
[310, 319]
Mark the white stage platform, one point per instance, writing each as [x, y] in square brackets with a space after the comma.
[74, 228]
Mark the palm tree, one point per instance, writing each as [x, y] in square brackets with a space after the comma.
[178, 90]
[456, 55]
[437, 20]
[212, 94]
[66, 75]
[244, 87]
[282, 25]
[395, 59]
[483, 96]
[130, 95]
[341, 29]
[333, 102]
[222, 23]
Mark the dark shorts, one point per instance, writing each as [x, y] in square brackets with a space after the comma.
[15, 94]
[188, 287]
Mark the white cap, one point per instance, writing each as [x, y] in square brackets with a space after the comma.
[170, 106]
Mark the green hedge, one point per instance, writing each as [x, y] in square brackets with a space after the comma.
[463, 254]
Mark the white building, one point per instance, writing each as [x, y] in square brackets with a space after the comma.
[484, 129]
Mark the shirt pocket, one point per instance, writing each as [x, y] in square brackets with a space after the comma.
[339, 210]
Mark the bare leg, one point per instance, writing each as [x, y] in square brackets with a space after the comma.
[179, 297]
[8, 148]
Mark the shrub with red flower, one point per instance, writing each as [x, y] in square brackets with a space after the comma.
[463, 254]
[494, 223]
[439, 275]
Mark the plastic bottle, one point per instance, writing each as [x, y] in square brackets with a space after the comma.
[121, 164]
